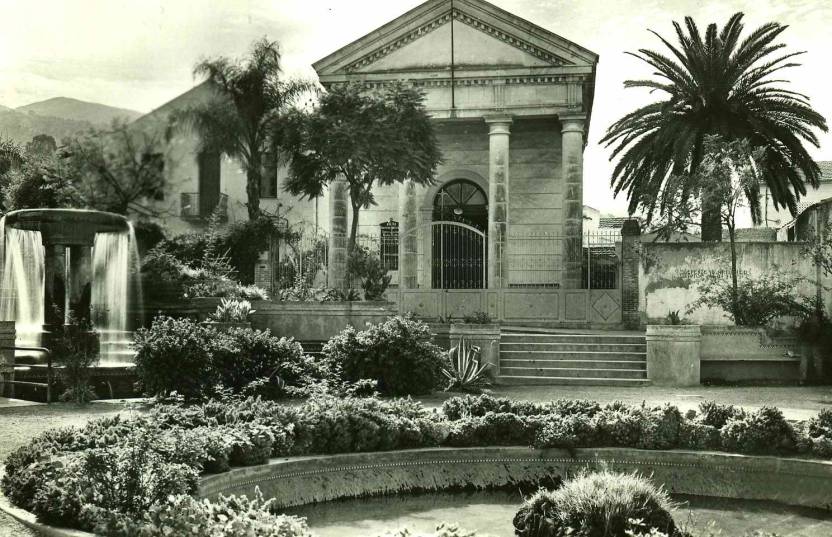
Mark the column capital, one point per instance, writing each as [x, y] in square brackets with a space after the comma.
[499, 124]
[572, 122]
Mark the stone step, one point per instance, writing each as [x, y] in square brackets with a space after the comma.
[600, 347]
[573, 372]
[587, 364]
[555, 354]
[507, 337]
[517, 380]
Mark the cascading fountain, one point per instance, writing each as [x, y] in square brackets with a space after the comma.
[21, 285]
[62, 266]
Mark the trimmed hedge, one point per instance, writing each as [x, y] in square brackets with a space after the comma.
[129, 476]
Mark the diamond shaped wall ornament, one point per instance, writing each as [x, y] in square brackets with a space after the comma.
[605, 306]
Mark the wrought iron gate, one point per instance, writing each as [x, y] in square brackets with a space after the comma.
[458, 256]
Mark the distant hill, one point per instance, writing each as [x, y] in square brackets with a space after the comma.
[22, 127]
[59, 117]
[65, 108]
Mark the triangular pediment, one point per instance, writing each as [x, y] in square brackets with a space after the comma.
[484, 37]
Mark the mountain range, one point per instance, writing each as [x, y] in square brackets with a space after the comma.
[59, 117]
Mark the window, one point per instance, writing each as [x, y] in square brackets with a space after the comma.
[268, 181]
[389, 245]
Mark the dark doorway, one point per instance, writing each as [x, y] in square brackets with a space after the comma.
[460, 221]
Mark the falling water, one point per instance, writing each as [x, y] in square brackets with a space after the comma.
[21, 289]
[111, 295]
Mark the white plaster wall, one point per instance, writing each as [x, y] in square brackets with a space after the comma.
[669, 272]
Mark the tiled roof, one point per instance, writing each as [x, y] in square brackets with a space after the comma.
[825, 170]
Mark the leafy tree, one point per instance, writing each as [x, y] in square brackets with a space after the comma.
[244, 119]
[727, 178]
[11, 156]
[42, 144]
[114, 167]
[367, 138]
[40, 181]
[716, 84]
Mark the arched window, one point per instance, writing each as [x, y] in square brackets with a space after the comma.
[461, 201]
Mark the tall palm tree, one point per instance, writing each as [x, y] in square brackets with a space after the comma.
[720, 84]
[244, 118]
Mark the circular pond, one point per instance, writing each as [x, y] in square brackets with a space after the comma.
[490, 514]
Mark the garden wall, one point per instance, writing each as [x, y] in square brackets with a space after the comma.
[305, 321]
[299, 481]
[670, 274]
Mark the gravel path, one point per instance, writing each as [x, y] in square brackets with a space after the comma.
[18, 424]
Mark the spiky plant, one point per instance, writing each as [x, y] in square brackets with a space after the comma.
[464, 371]
[716, 84]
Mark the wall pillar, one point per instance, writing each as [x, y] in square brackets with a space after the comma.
[498, 200]
[630, 260]
[572, 158]
[338, 234]
[408, 236]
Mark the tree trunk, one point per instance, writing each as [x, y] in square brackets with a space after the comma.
[353, 228]
[711, 220]
[253, 179]
[735, 303]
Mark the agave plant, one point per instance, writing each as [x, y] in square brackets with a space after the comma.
[464, 371]
[232, 310]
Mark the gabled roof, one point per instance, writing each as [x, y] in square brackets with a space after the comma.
[485, 36]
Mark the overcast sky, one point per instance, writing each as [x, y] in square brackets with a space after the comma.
[139, 54]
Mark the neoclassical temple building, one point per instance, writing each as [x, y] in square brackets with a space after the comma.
[501, 229]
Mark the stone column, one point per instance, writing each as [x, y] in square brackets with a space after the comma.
[630, 261]
[80, 281]
[572, 158]
[337, 259]
[498, 200]
[408, 236]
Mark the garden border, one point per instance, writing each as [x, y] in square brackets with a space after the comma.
[296, 481]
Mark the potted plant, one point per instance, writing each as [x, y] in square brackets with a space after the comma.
[231, 313]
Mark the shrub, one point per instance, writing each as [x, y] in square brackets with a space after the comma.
[660, 427]
[224, 288]
[229, 516]
[255, 354]
[176, 355]
[194, 360]
[367, 267]
[398, 352]
[565, 431]
[478, 317]
[716, 415]
[494, 429]
[761, 431]
[332, 425]
[602, 504]
[232, 311]
[479, 405]
[695, 435]
[759, 300]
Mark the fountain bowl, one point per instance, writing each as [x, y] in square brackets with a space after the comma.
[67, 226]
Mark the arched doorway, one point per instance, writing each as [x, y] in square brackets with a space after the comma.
[460, 221]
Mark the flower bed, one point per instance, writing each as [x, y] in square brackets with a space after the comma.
[136, 477]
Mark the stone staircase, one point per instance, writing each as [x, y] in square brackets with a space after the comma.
[542, 357]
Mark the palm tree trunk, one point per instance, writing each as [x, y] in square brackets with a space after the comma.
[253, 178]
